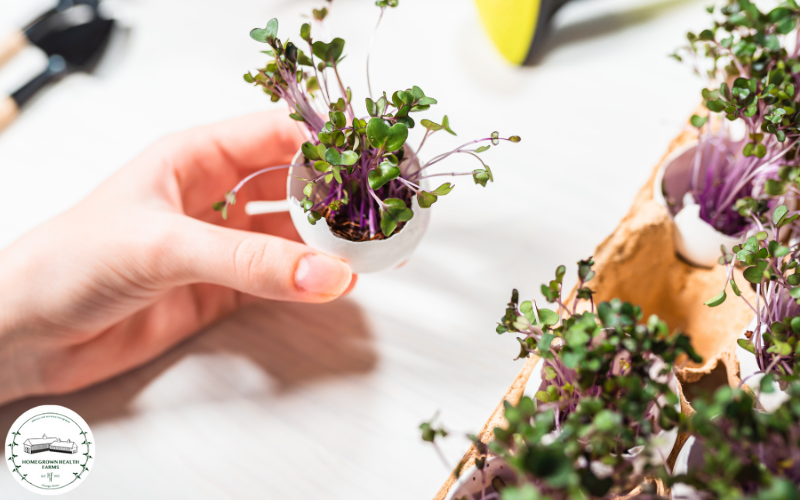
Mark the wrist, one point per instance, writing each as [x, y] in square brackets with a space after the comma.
[19, 367]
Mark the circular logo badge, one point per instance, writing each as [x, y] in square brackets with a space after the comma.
[50, 450]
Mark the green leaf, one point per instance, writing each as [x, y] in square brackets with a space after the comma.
[349, 158]
[715, 106]
[392, 213]
[426, 199]
[333, 157]
[779, 213]
[396, 137]
[547, 317]
[482, 149]
[218, 206]
[249, 78]
[773, 187]
[338, 119]
[372, 109]
[310, 151]
[295, 116]
[735, 288]
[433, 126]
[305, 32]
[313, 217]
[377, 132]
[446, 125]
[717, 300]
[753, 274]
[698, 121]
[267, 34]
[443, 189]
[385, 172]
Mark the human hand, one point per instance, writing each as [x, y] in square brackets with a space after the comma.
[144, 261]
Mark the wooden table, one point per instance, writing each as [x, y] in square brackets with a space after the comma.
[296, 401]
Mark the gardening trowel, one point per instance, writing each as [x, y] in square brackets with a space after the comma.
[73, 35]
[43, 31]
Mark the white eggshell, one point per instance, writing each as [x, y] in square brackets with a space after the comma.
[695, 239]
[362, 257]
[470, 483]
[681, 490]
[535, 380]
[748, 365]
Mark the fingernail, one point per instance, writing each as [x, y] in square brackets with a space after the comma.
[322, 274]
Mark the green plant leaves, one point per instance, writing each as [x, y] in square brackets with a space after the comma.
[333, 156]
[428, 198]
[774, 188]
[372, 108]
[385, 172]
[267, 34]
[310, 151]
[446, 125]
[698, 121]
[392, 213]
[443, 189]
[778, 215]
[313, 217]
[330, 53]
[380, 134]
[349, 158]
[717, 300]
[547, 317]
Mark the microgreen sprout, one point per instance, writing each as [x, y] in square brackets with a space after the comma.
[745, 453]
[772, 268]
[365, 175]
[750, 80]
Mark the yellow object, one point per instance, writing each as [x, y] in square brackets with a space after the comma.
[511, 25]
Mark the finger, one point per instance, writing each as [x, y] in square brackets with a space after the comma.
[253, 263]
[248, 143]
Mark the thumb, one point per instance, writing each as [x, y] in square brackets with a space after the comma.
[257, 264]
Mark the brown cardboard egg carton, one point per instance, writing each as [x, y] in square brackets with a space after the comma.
[637, 263]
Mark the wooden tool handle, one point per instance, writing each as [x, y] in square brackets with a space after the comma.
[8, 112]
[11, 45]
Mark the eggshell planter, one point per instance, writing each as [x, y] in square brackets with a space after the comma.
[365, 256]
[691, 455]
[472, 481]
[695, 239]
[748, 365]
[663, 442]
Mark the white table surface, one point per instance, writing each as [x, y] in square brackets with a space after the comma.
[298, 401]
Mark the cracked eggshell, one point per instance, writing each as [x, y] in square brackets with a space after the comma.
[748, 365]
[691, 455]
[470, 483]
[695, 239]
[362, 257]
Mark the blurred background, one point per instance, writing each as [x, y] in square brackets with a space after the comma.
[300, 401]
